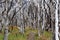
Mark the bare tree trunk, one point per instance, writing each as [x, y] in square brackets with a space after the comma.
[56, 22]
[6, 22]
[22, 22]
[6, 33]
[43, 15]
[38, 21]
[0, 27]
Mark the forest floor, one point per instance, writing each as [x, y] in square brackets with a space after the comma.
[18, 36]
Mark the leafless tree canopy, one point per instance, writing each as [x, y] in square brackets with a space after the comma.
[38, 14]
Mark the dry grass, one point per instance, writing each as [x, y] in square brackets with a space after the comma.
[19, 36]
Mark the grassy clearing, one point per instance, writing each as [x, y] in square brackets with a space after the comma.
[1, 36]
[12, 36]
[46, 36]
[18, 37]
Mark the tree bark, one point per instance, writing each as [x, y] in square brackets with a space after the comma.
[56, 22]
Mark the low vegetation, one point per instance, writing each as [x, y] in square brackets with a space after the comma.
[16, 35]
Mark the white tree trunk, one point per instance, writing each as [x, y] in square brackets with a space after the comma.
[38, 21]
[43, 14]
[6, 33]
[0, 27]
[56, 22]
